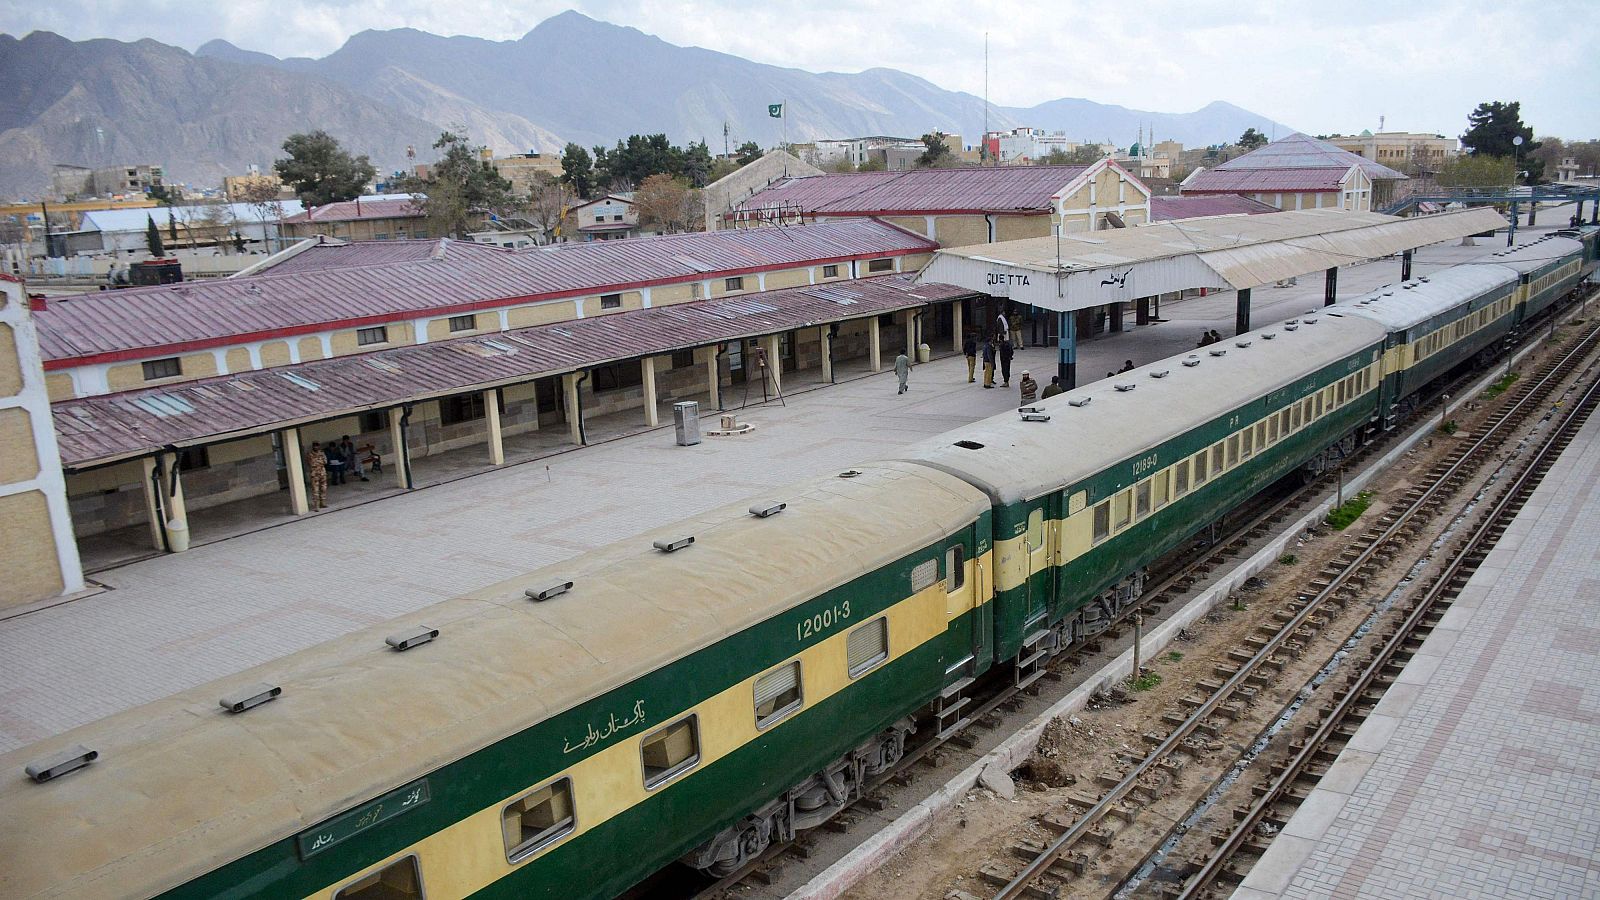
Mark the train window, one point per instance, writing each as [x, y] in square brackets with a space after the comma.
[1161, 489]
[1102, 521]
[1216, 459]
[1035, 536]
[955, 568]
[1233, 451]
[1247, 443]
[1122, 509]
[1294, 416]
[777, 694]
[867, 646]
[398, 880]
[1317, 406]
[1201, 467]
[538, 819]
[1141, 500]
[670, 751]
[1261, 435]
[1180, 479]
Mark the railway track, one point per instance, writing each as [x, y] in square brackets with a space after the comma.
[1095, 824]
[1335, 724]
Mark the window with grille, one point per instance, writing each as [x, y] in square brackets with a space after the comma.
[880, 265]
[538, 819]
[867, 647]
[1102, 521]
[610, 301]
[1141, 500]
[171, 367]
[1122, 510]
[399, 880]
[463, 323]
[830, 271]
[777, 694]
[670, 751]
[1180, 479]
[378, 334]
[733, 284]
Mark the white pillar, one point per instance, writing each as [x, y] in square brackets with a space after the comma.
[875, 344]
[152, 509]
[491, 412]
[400, 457]
[569, 384]
[911, 336]
[648, 367]
[294, 468]
[955, 321]
[172, 490]
[774, 364]
[826, 346]
[713, 376]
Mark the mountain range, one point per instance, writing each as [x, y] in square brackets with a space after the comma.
[572, 78]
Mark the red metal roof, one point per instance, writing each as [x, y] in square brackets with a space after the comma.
[1301, 151]
[377, 207]
[96, 430]
[1166, 209]
[456, 276]
[331, 253]
[1234, 181]
[919, 191]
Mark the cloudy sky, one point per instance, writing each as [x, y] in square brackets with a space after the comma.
[1319, 66]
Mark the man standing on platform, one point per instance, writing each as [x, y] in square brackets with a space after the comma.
[1006, 352]
[969, 348]
[902, 370]
[988, 363]
[317, 469]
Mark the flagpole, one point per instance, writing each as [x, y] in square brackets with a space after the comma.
[785, 120]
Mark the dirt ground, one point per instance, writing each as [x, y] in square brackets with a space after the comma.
[1105, 738]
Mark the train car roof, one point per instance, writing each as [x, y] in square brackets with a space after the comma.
[1018, 460]
[1534, 254]
[182, 787]
[1409, 303]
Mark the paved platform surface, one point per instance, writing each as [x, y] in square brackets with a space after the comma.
[174, 622]
[1478, 775]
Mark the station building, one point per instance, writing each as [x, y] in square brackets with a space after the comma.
[440, 356]
[1300, 172]
[380, 217]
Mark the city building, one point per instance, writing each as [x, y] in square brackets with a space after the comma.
[123, 231]
[242, 188]
[1026, 145]
[69, 182]
[1407, 152]
[958, 206]
[379, 217]
[522, 168]
[1300, 172]
[612, 217]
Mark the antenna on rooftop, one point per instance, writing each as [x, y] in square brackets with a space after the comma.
[985, 137]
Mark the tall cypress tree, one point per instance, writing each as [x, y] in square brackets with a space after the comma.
[152, 236]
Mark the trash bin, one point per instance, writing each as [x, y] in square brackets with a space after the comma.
[177, 535]
[686, 422]
[924, 353]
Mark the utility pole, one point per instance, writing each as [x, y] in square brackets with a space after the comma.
[724, 137]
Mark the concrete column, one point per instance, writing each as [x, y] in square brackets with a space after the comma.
[400, 459]
[491, 413]
[172, 489]
[151, 508]
[1141, 311]
[1533, 213]
[911, 336]
[874, 344]
[648, 367]
[956, 326]
[774, 364]
[1511, 233]
[1067, 349]
[294, 468]
[1405, 266]
[1330, 286]
[1241, 315]
[1116, 317]
[569, 384]
[714, 377]
[826, 343]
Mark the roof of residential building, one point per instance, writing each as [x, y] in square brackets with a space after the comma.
[920, 191]
[379, 282]
[1166, 209]
[1299, 151]
[138, 219]
[378, 206]
[101, 429]
[1231, 181]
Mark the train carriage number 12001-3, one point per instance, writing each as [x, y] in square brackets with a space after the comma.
[822, 621]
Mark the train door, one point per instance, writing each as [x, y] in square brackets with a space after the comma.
[1039, 539]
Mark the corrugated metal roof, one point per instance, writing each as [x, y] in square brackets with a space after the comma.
[138, 219]
[378, 206]
[915, 191]
[331, 253]
[1301, 151]
[1088, 269]
[456, 275]
[1259, 180]
[102, 429]
[1167, 209]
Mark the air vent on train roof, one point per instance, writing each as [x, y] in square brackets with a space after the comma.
[250, 697]
[764, 510]
[1219, 353]
[1191, 361]
[553, 589]
[1241, 344]
[672, 545]
[969, 445]
[1160, 373]
[1125, 387]
[1269, 335]
[58, 764]
[1079, 401]
[414, 637]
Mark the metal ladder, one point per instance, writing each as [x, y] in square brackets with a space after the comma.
[947, 708]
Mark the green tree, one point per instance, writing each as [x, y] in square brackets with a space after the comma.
[172, 225]
[1492, 130]
[320, 171]
[1478, 171]
[697, 164]
[1251, 139]
[748, 152]
[937, 155]
[152, 237]
[873, 163]
[667, 203]
[1082, 155]
[577, 170]
[461, 185]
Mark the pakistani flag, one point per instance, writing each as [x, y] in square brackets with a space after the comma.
[775, 110]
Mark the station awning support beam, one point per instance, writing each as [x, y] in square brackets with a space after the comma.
[1330, 286]
[1067, 347]
[1241, 315]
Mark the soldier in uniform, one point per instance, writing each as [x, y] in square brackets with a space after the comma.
[317, 469]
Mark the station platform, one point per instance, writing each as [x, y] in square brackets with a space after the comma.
[1478, 774]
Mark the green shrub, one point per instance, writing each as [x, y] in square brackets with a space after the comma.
[1352, 509]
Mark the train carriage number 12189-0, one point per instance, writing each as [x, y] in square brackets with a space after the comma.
[822, 621]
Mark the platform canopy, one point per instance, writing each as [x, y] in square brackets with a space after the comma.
[1087, 269]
